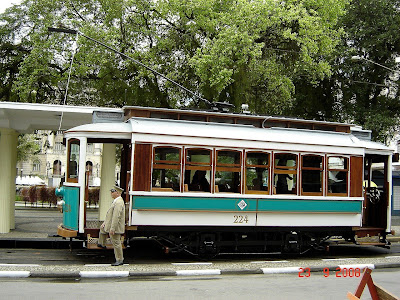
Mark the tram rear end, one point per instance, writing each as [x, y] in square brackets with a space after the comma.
[75, 190]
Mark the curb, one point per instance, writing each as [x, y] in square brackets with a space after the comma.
[302, 272]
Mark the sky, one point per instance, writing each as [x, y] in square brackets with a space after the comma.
[7, 3]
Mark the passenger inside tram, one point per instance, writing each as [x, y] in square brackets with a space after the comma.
[199, 182]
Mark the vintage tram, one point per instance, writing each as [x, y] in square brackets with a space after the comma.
[210, 182]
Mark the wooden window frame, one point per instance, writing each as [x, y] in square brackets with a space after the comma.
[266, 167]
[321, 169]
[347, 170]
[222, 167]
[285, 170]
[166, 162]
[70, 179]
[164, 165]
[190, 166]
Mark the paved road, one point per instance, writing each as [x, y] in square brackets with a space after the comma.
[282, 286]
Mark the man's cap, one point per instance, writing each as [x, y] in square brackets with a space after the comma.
[116, 189]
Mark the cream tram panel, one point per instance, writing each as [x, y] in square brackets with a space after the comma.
[308, 219]
[185, 218]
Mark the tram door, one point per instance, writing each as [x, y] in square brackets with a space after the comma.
[377, 191]
[71, 190]
[92, 221]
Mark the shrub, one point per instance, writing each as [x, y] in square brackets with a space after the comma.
[52, 198]
[32, 194]
[43, 194]
[25, 194]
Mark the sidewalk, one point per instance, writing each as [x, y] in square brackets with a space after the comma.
[296, 267]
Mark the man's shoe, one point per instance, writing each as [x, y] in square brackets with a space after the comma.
[117, 263]
[101, 246]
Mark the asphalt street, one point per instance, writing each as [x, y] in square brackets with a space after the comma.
[230, 287]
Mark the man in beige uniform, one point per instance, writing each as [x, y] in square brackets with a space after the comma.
[114, 225]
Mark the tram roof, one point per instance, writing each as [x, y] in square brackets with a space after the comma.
[245, 133]
[192, 132]
[118, 131]
[261, 121]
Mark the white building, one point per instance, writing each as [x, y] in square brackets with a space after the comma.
[49, 164]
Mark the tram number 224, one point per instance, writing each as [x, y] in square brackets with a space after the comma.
[240, 219]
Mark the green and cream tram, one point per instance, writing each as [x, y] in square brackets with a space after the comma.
[209, 182]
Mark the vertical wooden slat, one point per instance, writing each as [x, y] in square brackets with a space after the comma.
[142, 167]
[356, 176]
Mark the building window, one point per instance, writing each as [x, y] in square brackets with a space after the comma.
[198, 170]
[36, 166]
[58, 147]
[57, 167]
[257, 172]
[90, 148]
[227, 175]
[285, 173]
[338, 169]
[312, 167]
[166, 169]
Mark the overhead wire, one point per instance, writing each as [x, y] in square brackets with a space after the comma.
[75, 47]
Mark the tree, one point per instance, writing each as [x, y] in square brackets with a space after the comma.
[26, 147]
[236, 51]
[14, 48]
[360, 92]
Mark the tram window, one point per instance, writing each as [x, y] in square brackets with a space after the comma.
[73, 161]
[338, 175]
[198, 170]
[166, 169]
[227, 175]
[257, 172]
[285, 173]
[312, 174]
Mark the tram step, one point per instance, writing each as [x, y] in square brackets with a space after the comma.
[369, 231]
[91, 243]
[371, 243]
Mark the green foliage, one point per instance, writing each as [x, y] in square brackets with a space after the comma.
[235, 51]
[281, 57]
[26, 147]
[360, 92]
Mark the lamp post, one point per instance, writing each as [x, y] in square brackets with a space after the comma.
[358, 58]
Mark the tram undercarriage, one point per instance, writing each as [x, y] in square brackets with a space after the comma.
[205, 242]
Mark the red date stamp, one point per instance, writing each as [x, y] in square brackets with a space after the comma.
[338, 272]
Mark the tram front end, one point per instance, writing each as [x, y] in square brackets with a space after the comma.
[72, 192]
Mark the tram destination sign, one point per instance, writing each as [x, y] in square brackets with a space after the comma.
[107, 117]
